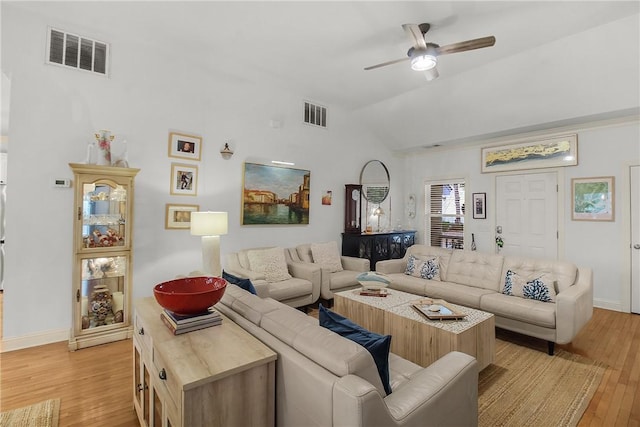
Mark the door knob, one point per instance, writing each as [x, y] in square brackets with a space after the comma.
[636, 246]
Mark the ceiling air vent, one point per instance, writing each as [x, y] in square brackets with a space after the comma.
[77, 52]
[315, 115]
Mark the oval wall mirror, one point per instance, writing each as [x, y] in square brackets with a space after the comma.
[374, 179]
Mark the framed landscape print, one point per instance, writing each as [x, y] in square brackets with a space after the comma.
[554, 152]
[178, 217]
[184, 180]
[275, 195]
[185, 146]
[592, 199]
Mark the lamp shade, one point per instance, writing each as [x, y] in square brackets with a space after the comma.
[209, 223]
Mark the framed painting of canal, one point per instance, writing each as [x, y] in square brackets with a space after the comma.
[548, 153]
[592, 199]
[275, 195]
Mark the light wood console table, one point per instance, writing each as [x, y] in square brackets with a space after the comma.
[415, 337]
[218, 376]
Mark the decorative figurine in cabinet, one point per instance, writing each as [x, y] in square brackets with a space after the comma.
[102, 246]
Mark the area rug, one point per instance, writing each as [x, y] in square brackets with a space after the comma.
[527, 387]
[42, 414]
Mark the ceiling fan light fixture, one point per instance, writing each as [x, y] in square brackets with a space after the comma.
[423, 62]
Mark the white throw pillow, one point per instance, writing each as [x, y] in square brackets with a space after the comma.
[327, 255]
[270, 262]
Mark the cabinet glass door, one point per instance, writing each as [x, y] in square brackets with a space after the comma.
[104, 211]
[102, 291]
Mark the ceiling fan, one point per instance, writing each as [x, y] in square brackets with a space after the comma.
[424, 55]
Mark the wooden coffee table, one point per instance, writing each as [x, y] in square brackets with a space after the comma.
[415, 337]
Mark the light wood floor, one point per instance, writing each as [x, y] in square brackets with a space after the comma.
[95, 384]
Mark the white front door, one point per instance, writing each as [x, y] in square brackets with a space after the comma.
[527, 214]
[635, 239]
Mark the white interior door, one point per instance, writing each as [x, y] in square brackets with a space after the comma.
[527, 214]
[635, 239]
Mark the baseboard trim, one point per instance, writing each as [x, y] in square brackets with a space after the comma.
[609, 305]
[34, 340]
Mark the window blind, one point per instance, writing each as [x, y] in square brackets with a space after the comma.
[444, 213]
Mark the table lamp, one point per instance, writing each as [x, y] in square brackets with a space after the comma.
[378, 212]
[210, 225]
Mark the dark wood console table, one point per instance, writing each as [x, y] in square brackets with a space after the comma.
[378, 246]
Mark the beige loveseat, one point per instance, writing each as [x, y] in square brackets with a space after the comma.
[336, 276]
[476, 279]
[323, 379]
[295, 284]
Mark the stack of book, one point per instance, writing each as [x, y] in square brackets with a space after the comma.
[180, 324]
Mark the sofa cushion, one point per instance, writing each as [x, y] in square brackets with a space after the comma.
[456, 293]
[410, 284]
[270, 262]
[563, 272]
[425, 268]
[377, 345]
[477, 269]
[521, 309]
[304, 252]
[327, 256]
[249, 306]
[291, 288]
[242, 283]
[343, 279]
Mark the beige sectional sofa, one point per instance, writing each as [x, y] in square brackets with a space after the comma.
[476, 279]
[323, 379]
[274, 276]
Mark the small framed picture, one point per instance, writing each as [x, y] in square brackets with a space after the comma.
[326, 197]
[184, 146]
[178, 217]
[479, 205]
[593, 199]
[184, 180]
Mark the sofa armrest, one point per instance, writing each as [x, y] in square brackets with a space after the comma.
[389, 266]
[574, 307]
[444, 393]
[257, 279]
[307, 271]
[355, 264]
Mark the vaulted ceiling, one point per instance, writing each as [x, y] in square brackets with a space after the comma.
[553, 61]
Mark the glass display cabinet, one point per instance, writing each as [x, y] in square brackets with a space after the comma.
[102, 261]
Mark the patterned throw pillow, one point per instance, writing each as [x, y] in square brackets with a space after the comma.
[423, 268]
[270, 262]
[540, 290]
[327, 255]
[537, 289]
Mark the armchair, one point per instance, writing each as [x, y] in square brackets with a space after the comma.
[338, 273]
[273, 276]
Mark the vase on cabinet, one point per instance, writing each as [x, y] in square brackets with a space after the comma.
[104, 138]
[101, 304]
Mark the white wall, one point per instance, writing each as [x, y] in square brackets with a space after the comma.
[603, 246]
[54, 113]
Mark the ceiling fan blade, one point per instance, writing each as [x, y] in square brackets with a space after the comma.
[467, 45]
[414, 33]
[384, 64]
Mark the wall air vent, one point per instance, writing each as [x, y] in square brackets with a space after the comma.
[315, 115]
[81, 53]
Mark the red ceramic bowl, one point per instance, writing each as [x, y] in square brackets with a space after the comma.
[190, 295]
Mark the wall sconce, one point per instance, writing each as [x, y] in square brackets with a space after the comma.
[210, 225]
[226, 152]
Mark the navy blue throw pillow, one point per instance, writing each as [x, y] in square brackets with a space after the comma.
[377, 345]
[243, 283]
